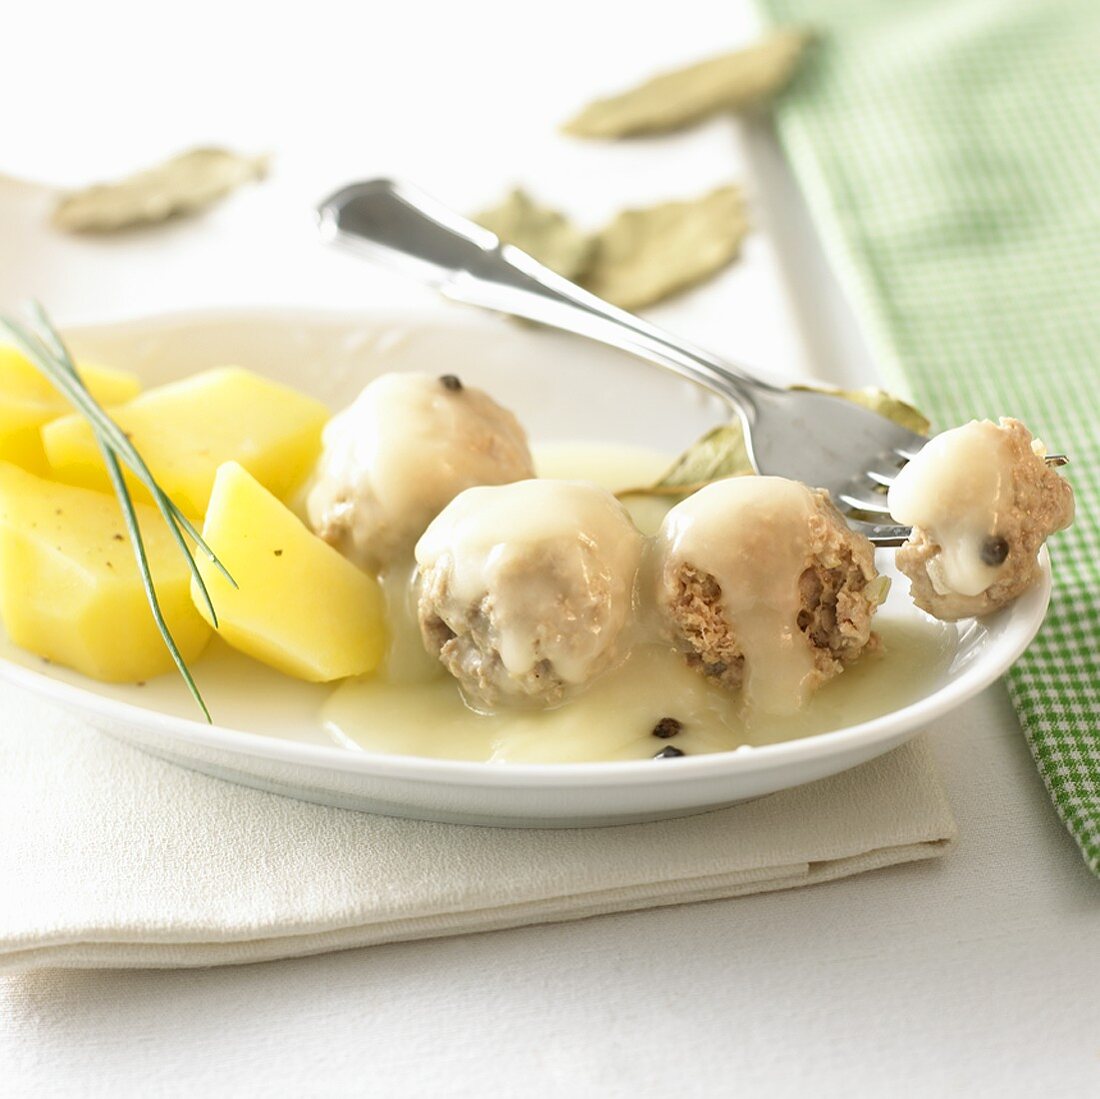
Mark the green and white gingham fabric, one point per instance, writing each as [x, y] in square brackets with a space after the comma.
[950, 153]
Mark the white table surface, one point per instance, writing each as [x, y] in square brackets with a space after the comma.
[974, 975]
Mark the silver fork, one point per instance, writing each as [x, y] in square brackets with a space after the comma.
[811, 437]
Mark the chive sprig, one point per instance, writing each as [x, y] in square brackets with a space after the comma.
[45, 349]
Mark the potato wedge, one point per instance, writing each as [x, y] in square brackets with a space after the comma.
[28, 400]
[299, 606]
[70, 590]
[186, 429]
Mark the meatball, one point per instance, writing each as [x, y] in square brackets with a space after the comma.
[524, 590]
[765, 588]
[396, 457]
[981, 501]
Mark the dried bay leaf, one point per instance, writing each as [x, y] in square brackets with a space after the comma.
[185, 184]
[737, 81]
[541, 232]
[722, 453]
[645, 255]
[719, 454]
[640, 257]
[885, 404]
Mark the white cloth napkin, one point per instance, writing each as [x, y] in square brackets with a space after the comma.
[111, 858]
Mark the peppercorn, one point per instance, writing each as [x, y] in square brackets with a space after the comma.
[994, 550]
[667, 727]
[668, 753]
[452, 382]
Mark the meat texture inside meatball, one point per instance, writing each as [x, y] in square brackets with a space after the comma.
[396, 457]
[766, 588]
[981, 502]
[525, 589]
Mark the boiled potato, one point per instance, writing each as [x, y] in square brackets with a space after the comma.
[70, 590]
[186, 429]
[28, 400]
[299, 606]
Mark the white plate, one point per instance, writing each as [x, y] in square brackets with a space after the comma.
[270, 734]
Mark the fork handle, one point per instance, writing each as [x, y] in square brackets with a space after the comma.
[400, 226]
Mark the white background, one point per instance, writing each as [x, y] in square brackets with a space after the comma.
[975, 975]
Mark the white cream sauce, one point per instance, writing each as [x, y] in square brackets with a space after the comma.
[957, 488]
[752, 535]
[415, 708]
[614, 718]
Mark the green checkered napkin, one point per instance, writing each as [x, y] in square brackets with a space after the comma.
[950, 152]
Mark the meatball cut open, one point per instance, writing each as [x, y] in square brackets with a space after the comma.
[407, 446]
[766, 589]
[524, 590]
[981, 501]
